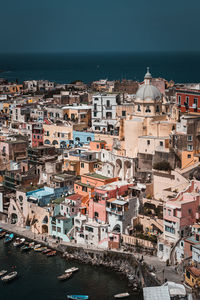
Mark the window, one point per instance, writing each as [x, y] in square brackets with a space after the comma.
[123, 113]
[188, 274]
[138, 108]
[161, 144]
[169, 212]
[187, 100]
[82, 165]
[95, 106]
[108, 103]
[157, 108]
[97, 146]
[58, 229]
[189, 211]
[83, 116]
[148, 142]
[190, 247]
[54, 228]
[95, 114]
[47, 133]
[170, 229]
[189, 156]
[148, 109]
[189, 138]
[96, 214]
[38, 137]
[189, 147]
[179, 100]
[88, 138]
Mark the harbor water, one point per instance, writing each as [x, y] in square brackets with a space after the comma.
[38, 277]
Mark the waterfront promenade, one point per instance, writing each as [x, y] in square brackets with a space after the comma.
[161, 271]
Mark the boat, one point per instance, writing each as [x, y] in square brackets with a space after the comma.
[9, 238]
[40, 249]
[64, 276]
[71, 270]
[78, 297]
[18, 242]
[37, 246]
[46, 251]
[2, 234]
[32, 245]
[2, 272]
[51, 253]
[9, 276]
[122, 295]
[25, 248]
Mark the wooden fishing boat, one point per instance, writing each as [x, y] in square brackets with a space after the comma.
[9, 238]
[51, 253]
[64, 276]
[37, 246]
[72, 270]
[46, 251]
[122, 295]
[2, 234]
[25, 248]
[18, 242]
[78, 297]
[40, 249]
[9, 277]
[32, 245]
[2, 272]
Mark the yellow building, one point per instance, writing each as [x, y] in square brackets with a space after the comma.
[78, 114]
[192, 277]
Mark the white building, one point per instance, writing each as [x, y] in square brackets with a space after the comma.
[104, 112]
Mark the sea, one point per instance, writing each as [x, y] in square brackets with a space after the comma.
[180, 67]
[38, 273]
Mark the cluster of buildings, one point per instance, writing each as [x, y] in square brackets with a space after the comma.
[107, 165]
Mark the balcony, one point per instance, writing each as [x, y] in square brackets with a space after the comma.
[114, 211]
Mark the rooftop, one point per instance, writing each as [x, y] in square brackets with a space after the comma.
[97, 176]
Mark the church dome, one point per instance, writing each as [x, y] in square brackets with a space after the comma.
[148, 91]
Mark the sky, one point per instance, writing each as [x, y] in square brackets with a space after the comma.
[99, 25]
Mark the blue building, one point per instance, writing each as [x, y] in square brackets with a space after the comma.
[82, 137]
[42, 196]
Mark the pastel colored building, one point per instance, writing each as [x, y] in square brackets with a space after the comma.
[58, 135]
[188, 100]
[82, 137]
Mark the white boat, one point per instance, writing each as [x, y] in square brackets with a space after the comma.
[3, 272]
[37, 246]
[122, 295]
[71, 270]
[32, 245]
[9, 276]
[18, 242]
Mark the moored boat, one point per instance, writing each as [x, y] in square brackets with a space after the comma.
[51, 253]
[18, 242]
[25, 248]
[122, 295]
[8, 238]
[78, 297]
[71, 270]
[46, 251]
[32, 245]
[64, 276]
[37, 246]
[9, 276]
[2, 272]
[40, 249]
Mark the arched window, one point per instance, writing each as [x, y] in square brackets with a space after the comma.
[55, 142]
[47, 142]
[89, 139]
[148, 109]
[157, 108]
[77, 139]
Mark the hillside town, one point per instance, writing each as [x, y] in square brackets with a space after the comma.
[111, 165]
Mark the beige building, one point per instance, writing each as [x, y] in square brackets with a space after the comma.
[58, 135]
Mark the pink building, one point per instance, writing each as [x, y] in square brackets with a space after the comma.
[181, 212]
[98, 203]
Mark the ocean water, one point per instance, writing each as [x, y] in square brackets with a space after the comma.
[38, 278]
[65, 68]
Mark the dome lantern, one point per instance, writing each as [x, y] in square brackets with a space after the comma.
[147, 77]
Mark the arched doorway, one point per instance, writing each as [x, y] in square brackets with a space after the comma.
[127, 169]
[117, 228]
[14, 218]
[118, 167]
[44, 229]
